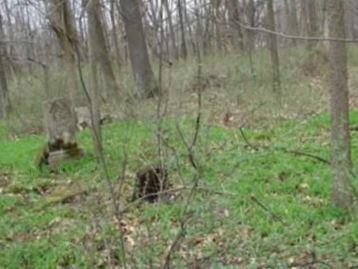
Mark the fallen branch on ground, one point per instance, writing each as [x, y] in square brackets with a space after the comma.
[295, 152]
[260, 204]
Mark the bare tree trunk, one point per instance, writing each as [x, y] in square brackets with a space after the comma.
[30, 48]
[115, 35]
[341, 153]
[249, 43]
[286, 16]
[95, 55]
[276, 81]
[3, 86]
[199, 29]
[182, 30]
[10, 33]
[303, 17]
[312, 23]
[322, 23]
[99, 47]
[293, 20]
[208, 13]
[217, 20]
[62, 23]
[190, 32]
[235, 29]
[3, 81]
[138, 51]
[83, 44]
[171, 29]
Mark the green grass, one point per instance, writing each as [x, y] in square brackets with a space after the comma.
[226, 228]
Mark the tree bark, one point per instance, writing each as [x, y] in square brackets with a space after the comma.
[171, 29]
[218, 29]
[62, 23]
[293, 20]
[272, 42]
[184, 50]
[235, 29]
[10, 32]
[138, 51]
[341, 153]
[95, 54]
[3, 81]
[115, 35]
[312, 22]
[249, 42]
[99, 49]
[190, 32]
[3, 87]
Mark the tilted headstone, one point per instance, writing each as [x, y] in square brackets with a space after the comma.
[60, 122]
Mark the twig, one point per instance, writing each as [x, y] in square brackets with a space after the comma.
[307, 264]
[159, 114]
[260, 204]
[190, 147]
[246, 140]
[197, 175]
[122, 176]
[283, 35]
[100, 154]
[183, 188]
[295, 152]
[175, 243]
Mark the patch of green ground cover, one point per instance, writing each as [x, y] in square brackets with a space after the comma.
[54, 252]
[32, 239]
[27, 212]
[226, 225]
[295, 188]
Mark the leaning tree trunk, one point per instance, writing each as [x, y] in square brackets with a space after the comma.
[341, 153]
[138, 51]
[98, 44]
[276, 81]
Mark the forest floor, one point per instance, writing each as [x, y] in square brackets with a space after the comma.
[263, 198]
[258, 206]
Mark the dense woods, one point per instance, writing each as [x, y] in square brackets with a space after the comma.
[178, 133]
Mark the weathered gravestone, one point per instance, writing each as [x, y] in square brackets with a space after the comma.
[60, 124]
